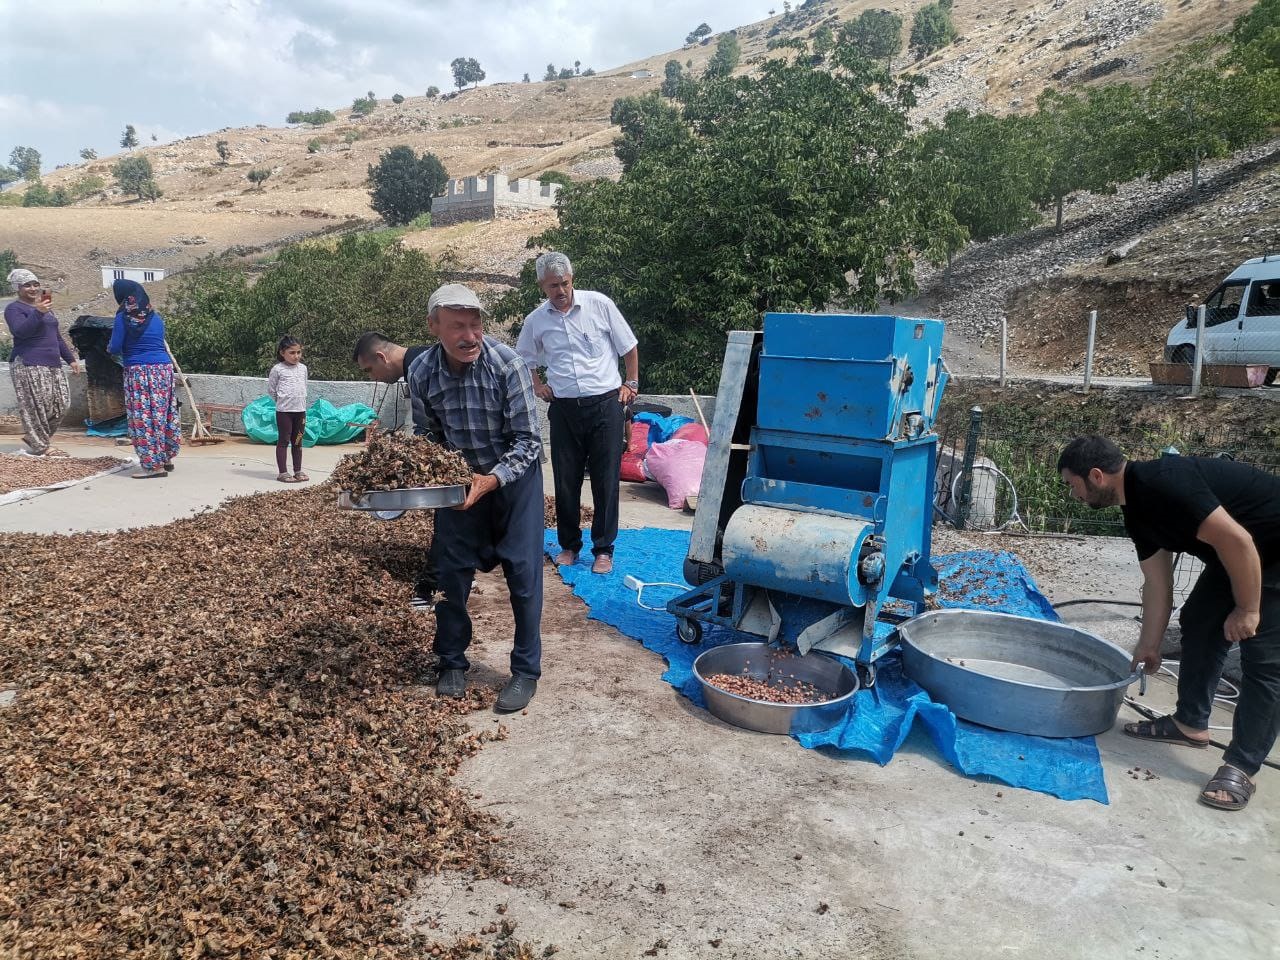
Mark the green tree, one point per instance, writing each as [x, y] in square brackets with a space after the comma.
[86, 186]
[673, 80]
[26, 160]
[134, 175]
[1196, 111]
[9, 175]
[397, 98]
[315, 118]
[726, 56]
[525, 78]
[550, 74]
[258, 176]
[589, 72]
[788, 189]
[364, 105]
[432, 92]
[991, 166]
[129, 139]
[88, 153]
[8, 261]
[36, 195]
[224, 150]
[403, 184]
[824, 38]
[876, 34]
[1084, 142]
[1256, 37]
[466, 70]
[931, 29]
[648, 126]
[218, 323]
[698, 32]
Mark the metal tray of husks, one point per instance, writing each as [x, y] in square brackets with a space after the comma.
[1016, 673]
[776, 667]
[410, 498]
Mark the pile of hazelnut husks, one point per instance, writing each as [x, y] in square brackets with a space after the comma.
[218, 743]
[23, 473]
[549, 513]
[396, 461]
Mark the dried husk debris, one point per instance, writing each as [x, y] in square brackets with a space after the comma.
[396, 461]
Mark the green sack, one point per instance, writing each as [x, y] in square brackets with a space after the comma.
[326, 423]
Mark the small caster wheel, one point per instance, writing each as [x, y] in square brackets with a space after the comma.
[866, 676]
[689, 631]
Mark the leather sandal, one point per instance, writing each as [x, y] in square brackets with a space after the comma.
[1235, 783]
[1163, 730]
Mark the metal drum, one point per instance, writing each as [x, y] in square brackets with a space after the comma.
[1016, 673]
[390, 504]
[776, 667]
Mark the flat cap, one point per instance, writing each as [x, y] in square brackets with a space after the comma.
[454, 295]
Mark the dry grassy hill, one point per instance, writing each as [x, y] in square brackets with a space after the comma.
[1004, 56]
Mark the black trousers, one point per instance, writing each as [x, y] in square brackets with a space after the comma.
[289, 427]
[1204, 651]
[504, 528]
[586, 435]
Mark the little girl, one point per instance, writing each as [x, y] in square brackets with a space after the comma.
[287, 386]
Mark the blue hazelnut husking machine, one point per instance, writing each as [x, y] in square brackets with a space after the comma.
[817, 492]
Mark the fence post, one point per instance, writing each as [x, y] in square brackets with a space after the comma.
[1004, 348]
[970, 455]
[1197, 361]
[1088, 350]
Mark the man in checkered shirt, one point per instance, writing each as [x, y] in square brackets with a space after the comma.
[474, 395]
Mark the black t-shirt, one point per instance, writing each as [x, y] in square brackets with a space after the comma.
[410, 353]
[1166, 500]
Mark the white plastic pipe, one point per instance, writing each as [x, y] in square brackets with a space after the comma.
[1088, 350]
[1197, 362]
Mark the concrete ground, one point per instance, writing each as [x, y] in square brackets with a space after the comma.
[638, 825]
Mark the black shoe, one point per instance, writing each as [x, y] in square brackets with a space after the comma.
[516, 694]
[168, 468]
[452, 683]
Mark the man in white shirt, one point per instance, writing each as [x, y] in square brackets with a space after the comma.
[578, 336]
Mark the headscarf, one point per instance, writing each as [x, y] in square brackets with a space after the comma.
[19, 277]
[134, 303]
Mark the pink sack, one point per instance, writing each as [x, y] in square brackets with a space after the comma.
[691, 431]
[677, 465]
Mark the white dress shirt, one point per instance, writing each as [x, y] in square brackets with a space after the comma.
[580, 348]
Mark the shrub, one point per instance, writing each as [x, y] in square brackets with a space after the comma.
[224, 150]
[726, 56]
[8, 261]
[314, 145]
[364, 105]
[398, 99]
[404, 183]
[316, 117]
[432, 92]
[554, 176]
[258, 176]
[86, 185]
[218, 323]
[134, 175]
[931, 28]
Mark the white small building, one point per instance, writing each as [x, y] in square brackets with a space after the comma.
[141, 274]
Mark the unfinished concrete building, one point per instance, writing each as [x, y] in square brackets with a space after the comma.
[486, 198]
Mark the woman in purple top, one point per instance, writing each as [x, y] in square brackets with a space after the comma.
[150, 405]
[36, 363]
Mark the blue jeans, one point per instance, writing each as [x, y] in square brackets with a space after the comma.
[505, 528]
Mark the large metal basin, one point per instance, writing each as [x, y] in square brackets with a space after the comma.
[409, 498]
[1015, 673]
[763, 662]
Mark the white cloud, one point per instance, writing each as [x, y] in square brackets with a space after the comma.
[199, 65]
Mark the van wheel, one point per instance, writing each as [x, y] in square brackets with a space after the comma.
[1184, 354]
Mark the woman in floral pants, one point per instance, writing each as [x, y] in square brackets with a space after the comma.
[150, 405]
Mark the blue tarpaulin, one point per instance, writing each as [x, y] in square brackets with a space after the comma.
[879, 719]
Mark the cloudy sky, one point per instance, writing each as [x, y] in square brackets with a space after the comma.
[74, 72]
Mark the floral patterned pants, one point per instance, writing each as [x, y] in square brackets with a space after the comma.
[151, 409]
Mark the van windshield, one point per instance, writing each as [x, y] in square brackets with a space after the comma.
[1223, 304]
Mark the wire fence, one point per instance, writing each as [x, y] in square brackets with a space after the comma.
[995, 473]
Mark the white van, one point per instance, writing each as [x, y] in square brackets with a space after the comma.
[1242, 320]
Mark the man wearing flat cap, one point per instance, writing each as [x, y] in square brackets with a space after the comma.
[475, 395]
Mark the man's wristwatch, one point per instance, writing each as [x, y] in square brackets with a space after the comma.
[633, 384]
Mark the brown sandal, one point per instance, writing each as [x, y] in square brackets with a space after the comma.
[1235, 783]
[1163, 730]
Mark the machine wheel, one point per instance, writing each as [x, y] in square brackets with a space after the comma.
[866, 676]
[1184, 354]
[689, 631]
